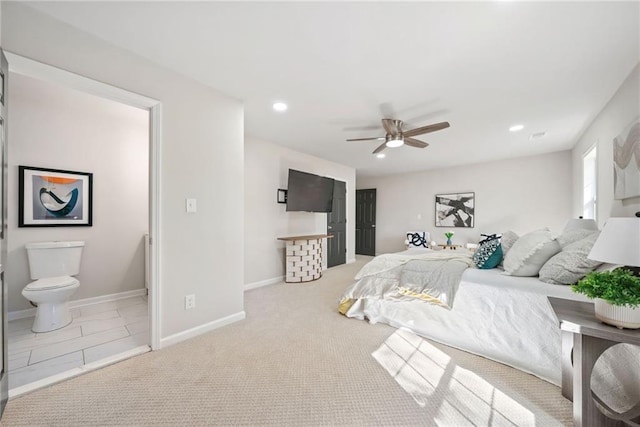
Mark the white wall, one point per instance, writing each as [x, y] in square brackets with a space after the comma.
[620, 111]
[60, 128]
[520, 194]
[202, 157]
[266, 169]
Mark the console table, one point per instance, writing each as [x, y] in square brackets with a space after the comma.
[304, 257]
[590, 339]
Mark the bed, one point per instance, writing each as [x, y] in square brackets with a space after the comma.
[504, 318]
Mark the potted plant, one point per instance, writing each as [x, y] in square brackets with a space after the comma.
[449, 235]
[616, 294]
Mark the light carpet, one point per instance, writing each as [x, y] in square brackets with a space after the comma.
[293, 361]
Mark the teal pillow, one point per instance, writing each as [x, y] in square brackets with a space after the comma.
[489, 253]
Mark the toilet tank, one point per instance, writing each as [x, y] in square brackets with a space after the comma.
[52, 259]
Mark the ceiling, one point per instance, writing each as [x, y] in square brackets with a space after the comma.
[342, 66]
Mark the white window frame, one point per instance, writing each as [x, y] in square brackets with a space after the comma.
[590, 189]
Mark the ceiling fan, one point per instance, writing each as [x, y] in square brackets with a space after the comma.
[397, 137]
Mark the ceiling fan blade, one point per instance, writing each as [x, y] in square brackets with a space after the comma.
[426, 129]
[380, 148]
[415, 143]
[367, 139]
[392, 126]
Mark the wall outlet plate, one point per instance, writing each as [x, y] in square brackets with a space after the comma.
[189, 302]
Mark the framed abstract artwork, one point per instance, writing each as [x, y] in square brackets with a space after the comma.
[626, 162]
[455, 210]
[54, 198]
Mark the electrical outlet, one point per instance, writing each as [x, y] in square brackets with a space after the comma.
[189, 302]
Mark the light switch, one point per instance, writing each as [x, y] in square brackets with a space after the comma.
[192, 206]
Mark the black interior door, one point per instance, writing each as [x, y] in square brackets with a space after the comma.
[366, 222]
[337, 226]
[4, 83]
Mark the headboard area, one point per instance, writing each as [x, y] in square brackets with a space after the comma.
[417, 239]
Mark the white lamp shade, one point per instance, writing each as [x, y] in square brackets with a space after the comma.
[581, 224]
[618, 243]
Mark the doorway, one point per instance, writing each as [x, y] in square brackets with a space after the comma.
[337, 226]
[366, 222]
[126, 307]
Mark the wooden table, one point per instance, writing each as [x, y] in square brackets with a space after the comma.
[590, 338]
[452, 247]
[304, 257]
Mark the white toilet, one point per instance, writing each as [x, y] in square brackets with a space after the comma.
[52, 264]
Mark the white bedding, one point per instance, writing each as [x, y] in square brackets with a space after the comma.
[508, 319]
[504, 318]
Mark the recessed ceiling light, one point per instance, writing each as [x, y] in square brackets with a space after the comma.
[516, 128]
[381, 155]
[537, 135]
[280, 106]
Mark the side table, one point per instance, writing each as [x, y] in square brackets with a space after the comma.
[590, 339]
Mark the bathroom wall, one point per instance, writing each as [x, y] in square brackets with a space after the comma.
[60, 128]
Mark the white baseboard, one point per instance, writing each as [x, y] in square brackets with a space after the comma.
[45, 382]
[351, 261]
[262, 283]
[29, 312]
[198, 330]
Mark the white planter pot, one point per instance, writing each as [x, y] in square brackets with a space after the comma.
[616, 315]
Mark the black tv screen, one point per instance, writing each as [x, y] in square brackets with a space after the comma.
[308, 192]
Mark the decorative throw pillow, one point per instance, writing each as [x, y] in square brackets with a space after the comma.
[489, 252]
[418, 239]
[571, 264]
[507, 240]
[571, 236]
[529, 253]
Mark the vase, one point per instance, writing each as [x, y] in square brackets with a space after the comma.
[617, 315]
[449, 242]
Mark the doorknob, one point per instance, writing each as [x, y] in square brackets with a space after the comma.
[329, 227]
[373, 226]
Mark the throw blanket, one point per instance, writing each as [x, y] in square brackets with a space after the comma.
[430, 276]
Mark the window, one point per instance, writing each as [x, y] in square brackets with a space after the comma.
[590, 186]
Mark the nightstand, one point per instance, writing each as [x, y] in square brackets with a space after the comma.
[585, 338]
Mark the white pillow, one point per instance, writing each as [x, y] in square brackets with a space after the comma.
[571, 264]
[507, 241]
[571, 236]
[529, 253]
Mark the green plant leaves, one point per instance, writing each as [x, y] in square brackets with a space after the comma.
[618, 287]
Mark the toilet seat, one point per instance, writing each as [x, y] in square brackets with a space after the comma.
[51, 283]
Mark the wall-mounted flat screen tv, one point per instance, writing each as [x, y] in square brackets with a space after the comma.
[308, 192]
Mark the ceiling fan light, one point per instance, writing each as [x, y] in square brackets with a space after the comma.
[381, 155]
[396, 142]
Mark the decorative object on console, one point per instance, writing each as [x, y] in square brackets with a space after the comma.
[616, 293]
[489, 252]
[455, 210]
[626, 169]
[417, 239]
[449, 235]
[530, 252]
[54, 198]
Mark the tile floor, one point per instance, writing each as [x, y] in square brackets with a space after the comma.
[96, 332]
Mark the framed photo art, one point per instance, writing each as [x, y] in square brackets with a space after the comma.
[54, 198]
[455, 210]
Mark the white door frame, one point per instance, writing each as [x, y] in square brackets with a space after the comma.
[39, 70]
